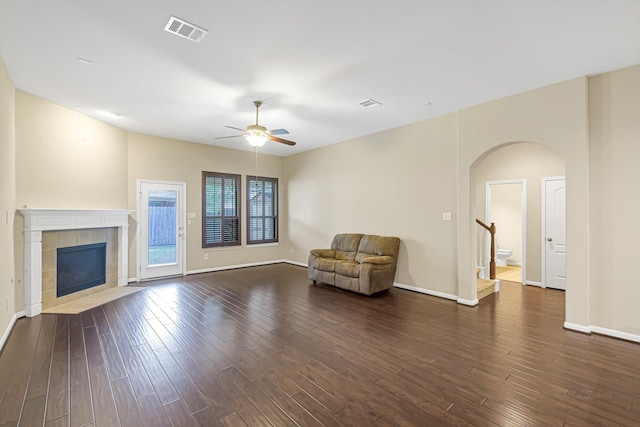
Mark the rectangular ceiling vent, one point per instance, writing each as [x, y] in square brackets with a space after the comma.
[184, 29]
[369, 103]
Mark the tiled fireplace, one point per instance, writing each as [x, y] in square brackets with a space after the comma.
[46, 230]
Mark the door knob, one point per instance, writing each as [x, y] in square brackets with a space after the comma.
[549, 239]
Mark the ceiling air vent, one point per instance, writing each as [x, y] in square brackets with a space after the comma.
[184, 29]
[369, 103]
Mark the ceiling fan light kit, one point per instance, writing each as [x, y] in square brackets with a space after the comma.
[258, 135]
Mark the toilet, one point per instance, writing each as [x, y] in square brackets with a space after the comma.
[501, 257]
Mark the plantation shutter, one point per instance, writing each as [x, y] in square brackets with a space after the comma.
[221, 209]
[262, 202]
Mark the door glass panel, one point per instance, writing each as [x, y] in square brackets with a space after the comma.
[162, 227]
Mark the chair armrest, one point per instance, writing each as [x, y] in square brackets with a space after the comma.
[324, 253]
[379, 260]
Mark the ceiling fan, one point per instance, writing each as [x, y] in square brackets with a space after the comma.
[257, 135]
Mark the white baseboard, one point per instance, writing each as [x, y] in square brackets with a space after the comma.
[426, 291]
[616, 334]
[602, 331]
[12, 322]
[251, 264]
[300, 264]
[463, 301]
[514, 264]
[576, 327]
[469, 302]
[532, 283]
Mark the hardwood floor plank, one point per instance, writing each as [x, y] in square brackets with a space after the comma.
[135, 369]
[80, 404]
[61, 339]
[76, 337]
[92, 347]
[211, 417]
[161, 383]
[102, 395]
[112, 357]
[58, 422]
[33, 411]
[127, 405]
[58, 392]
[39, 377]
[266, 406]
[16, 363]
[178, 415]
[152, 411]
[232, 420]
[181, 381]
[261, 346]
[319, 413]
[288, 405]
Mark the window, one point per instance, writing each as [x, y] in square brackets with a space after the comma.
[220, 209]
[262, 207]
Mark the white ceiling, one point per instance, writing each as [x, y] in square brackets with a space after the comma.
[310, 61]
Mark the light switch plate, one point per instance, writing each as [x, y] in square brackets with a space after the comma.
[191, 215]
[446, 216]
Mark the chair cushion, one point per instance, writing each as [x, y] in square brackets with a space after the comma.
[371, 245]
[325, 264]
[348, 268]
[346, 246]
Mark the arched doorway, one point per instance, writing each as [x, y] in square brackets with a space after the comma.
[521, 165]
[555, 116]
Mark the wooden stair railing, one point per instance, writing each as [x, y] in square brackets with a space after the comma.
[492, 231]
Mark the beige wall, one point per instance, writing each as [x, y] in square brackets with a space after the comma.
[530, 162]
[396, 183]
[7, 198]
[615, 201]
[64, 160]
[154, 158]
[557, 117]
[67, 160]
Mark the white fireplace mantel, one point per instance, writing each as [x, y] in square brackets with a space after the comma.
[38, 220]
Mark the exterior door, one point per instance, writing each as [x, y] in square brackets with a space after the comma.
[554, 233]
[161, 229]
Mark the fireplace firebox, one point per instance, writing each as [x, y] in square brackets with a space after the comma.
[80, 267]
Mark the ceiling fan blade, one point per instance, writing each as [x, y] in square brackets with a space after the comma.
[232, 136]
[231, 127]
[283, 141]
[279, 132]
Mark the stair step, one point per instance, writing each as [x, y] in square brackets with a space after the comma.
[485, 287]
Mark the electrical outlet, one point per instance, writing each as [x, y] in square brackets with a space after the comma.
[206, 257]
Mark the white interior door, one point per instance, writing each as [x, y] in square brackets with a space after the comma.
[161, 229]
[554, 233]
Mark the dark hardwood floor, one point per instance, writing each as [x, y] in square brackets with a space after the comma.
[262, 346]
